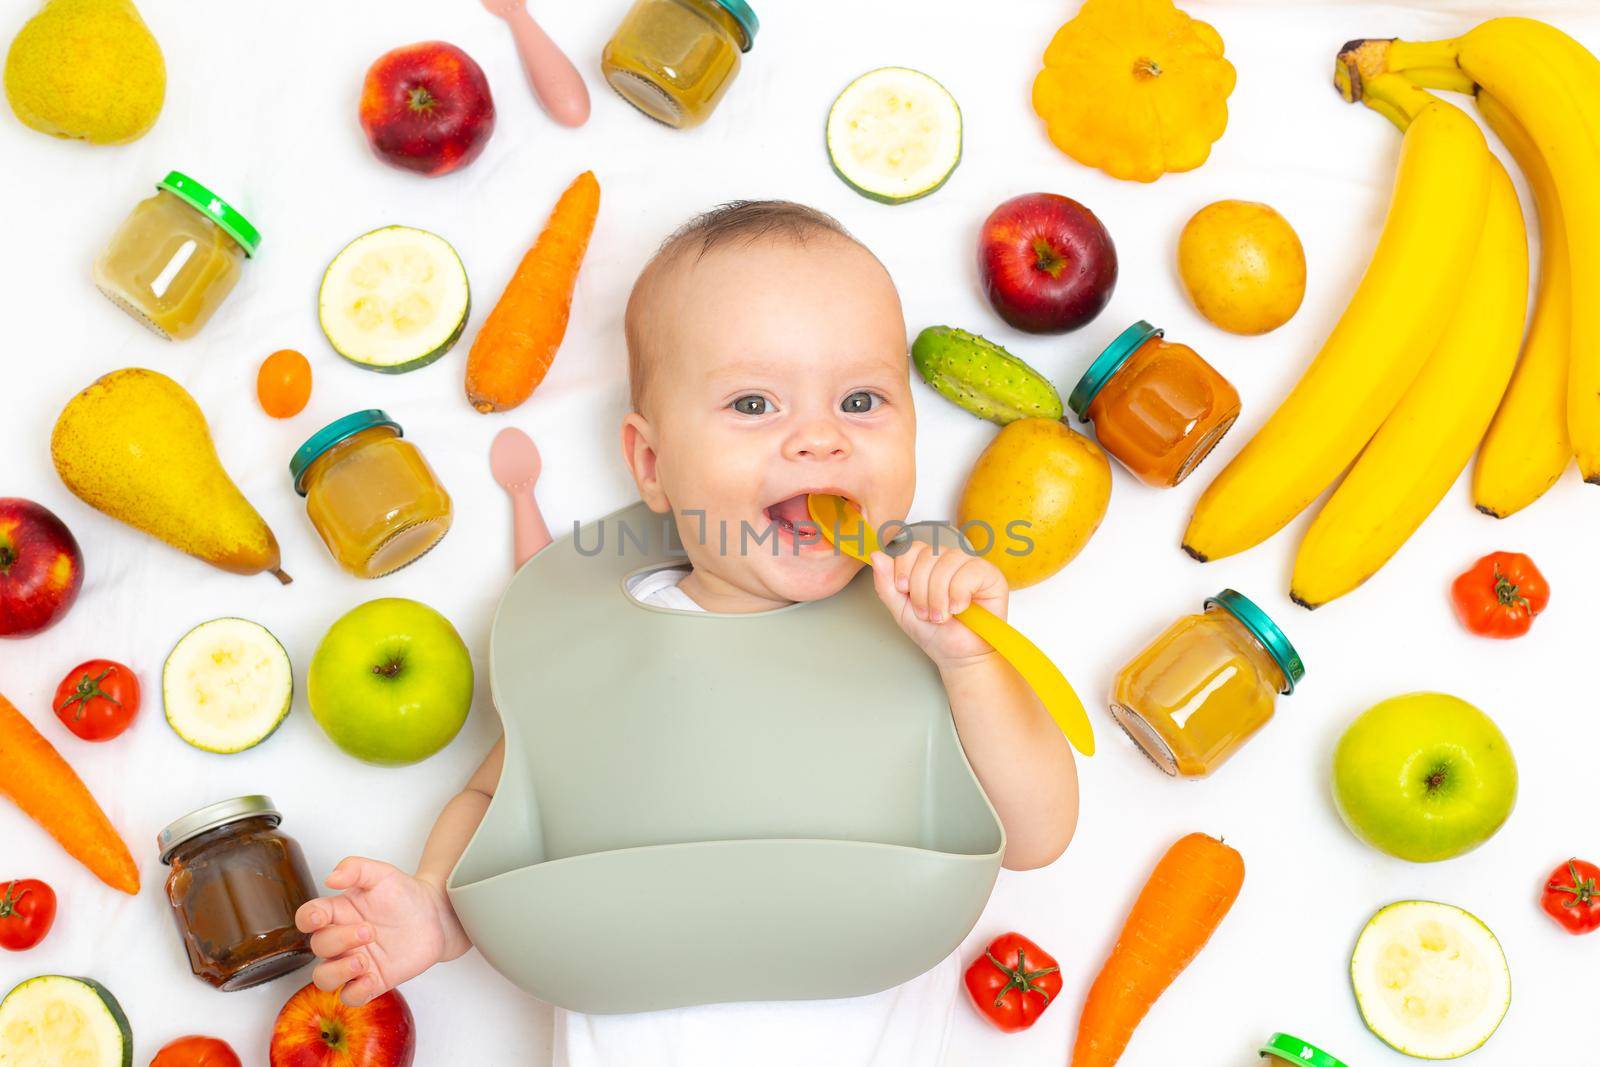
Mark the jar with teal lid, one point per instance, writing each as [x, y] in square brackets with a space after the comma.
[1286, 1050]
[176, 257]
[1206, 685]
[370, 494]
[674, 59]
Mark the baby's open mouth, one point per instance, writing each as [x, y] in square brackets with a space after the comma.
[794, 521]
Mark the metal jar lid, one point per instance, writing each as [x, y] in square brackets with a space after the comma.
[211, 817]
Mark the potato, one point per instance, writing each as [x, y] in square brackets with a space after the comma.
[1243, 266]
[1036, 495]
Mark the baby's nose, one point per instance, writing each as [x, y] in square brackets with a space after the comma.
[821, 439]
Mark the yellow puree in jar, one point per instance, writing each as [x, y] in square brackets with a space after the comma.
[1197, 693]
[169, 266]
[674, 59]
[376, 502]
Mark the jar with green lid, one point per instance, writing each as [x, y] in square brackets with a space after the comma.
[176, 257]
[1286, 1049]
[674, 59]
[1206, 685]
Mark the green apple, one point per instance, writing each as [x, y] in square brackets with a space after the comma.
[1424, 777]
[391, 682]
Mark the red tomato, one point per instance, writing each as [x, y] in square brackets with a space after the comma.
[196, 1052]
[1500, 595]
[1013, 982]
[27, 910]
[98, 699]
[1572, 896]
[283, 384]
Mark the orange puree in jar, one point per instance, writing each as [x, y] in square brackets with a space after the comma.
[674, 59]
[370, 494]
[1157, 406]
[1205, 686]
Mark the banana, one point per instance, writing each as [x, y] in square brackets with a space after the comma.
[1376, 350]
[1551, 83]
[1427, 441]
[1527, 446]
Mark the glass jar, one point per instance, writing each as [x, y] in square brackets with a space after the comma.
[1206, 685]
[1286, 1050]
[1157, 406]
[176, 257]
[370, 494]
[235, 885]
[673, 59]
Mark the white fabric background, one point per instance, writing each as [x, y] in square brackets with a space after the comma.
[261, 106]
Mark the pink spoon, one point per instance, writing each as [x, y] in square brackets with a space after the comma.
[555, 81]
[514, 462]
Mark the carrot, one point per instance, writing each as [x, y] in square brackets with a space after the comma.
[518, 341]
[45, 787]
[1179, 908]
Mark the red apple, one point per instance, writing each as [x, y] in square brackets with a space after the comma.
[1047, 264]
[317, 1029]
[426, 107]
[41, 568]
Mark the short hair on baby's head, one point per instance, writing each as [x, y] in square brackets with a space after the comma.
[736, 222]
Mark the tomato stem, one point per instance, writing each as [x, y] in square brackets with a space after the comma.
[1583, 890]
[9, 902]
[1020, 977]
[1505, 591]
[88, 688]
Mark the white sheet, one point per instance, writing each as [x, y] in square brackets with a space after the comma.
[261, 106]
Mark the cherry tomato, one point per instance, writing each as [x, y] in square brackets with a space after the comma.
[283, 384]
[1013, 982]
[196, 1052]
[27, 910]
[1500, 595]
[1572, 896]
[97, 700]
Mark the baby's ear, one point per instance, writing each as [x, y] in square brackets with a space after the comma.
[639, 453]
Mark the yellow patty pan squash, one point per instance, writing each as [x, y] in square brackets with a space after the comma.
[1135, 88]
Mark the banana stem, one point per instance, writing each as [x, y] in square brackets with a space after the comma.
[1395, 97]
[1432, 64]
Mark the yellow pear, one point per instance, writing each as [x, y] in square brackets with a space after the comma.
[1039, 491]
[135, 446]
[86, 69]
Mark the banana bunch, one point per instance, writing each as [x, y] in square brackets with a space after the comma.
[1414, 377]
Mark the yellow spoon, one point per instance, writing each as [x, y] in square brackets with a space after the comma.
[840, 521]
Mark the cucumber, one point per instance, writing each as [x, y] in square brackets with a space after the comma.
[1430, 979]
[894, 135]
[53, 1020]
[226, 686]
[976, 374]
[394, 300]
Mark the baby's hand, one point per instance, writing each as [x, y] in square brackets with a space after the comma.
[924, 587]
[386, 927]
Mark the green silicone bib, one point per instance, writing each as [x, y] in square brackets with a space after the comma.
[699, 808]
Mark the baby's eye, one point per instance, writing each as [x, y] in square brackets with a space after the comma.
[753, 404]
[860, 403]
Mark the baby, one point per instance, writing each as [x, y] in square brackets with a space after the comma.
[767, 360]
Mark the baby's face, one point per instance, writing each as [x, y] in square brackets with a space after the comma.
[781, 370]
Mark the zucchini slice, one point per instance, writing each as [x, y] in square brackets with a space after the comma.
[53, 1020]
[394, 300]
[894, 135]
[227, 685]
[1430, 979]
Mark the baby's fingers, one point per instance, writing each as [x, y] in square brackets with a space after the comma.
[332, 941]
[331, 974]
[357, 872]
[357, 992]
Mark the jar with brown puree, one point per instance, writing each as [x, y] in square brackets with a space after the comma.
[235, 884]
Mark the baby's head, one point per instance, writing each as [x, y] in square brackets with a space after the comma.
[767, 359]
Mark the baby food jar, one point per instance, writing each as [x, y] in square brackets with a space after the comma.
[673, 59]
[370, 494]
[1286, 1050]
[1157, 406]
[1203, 687]
[176, 257]
[235, 885]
